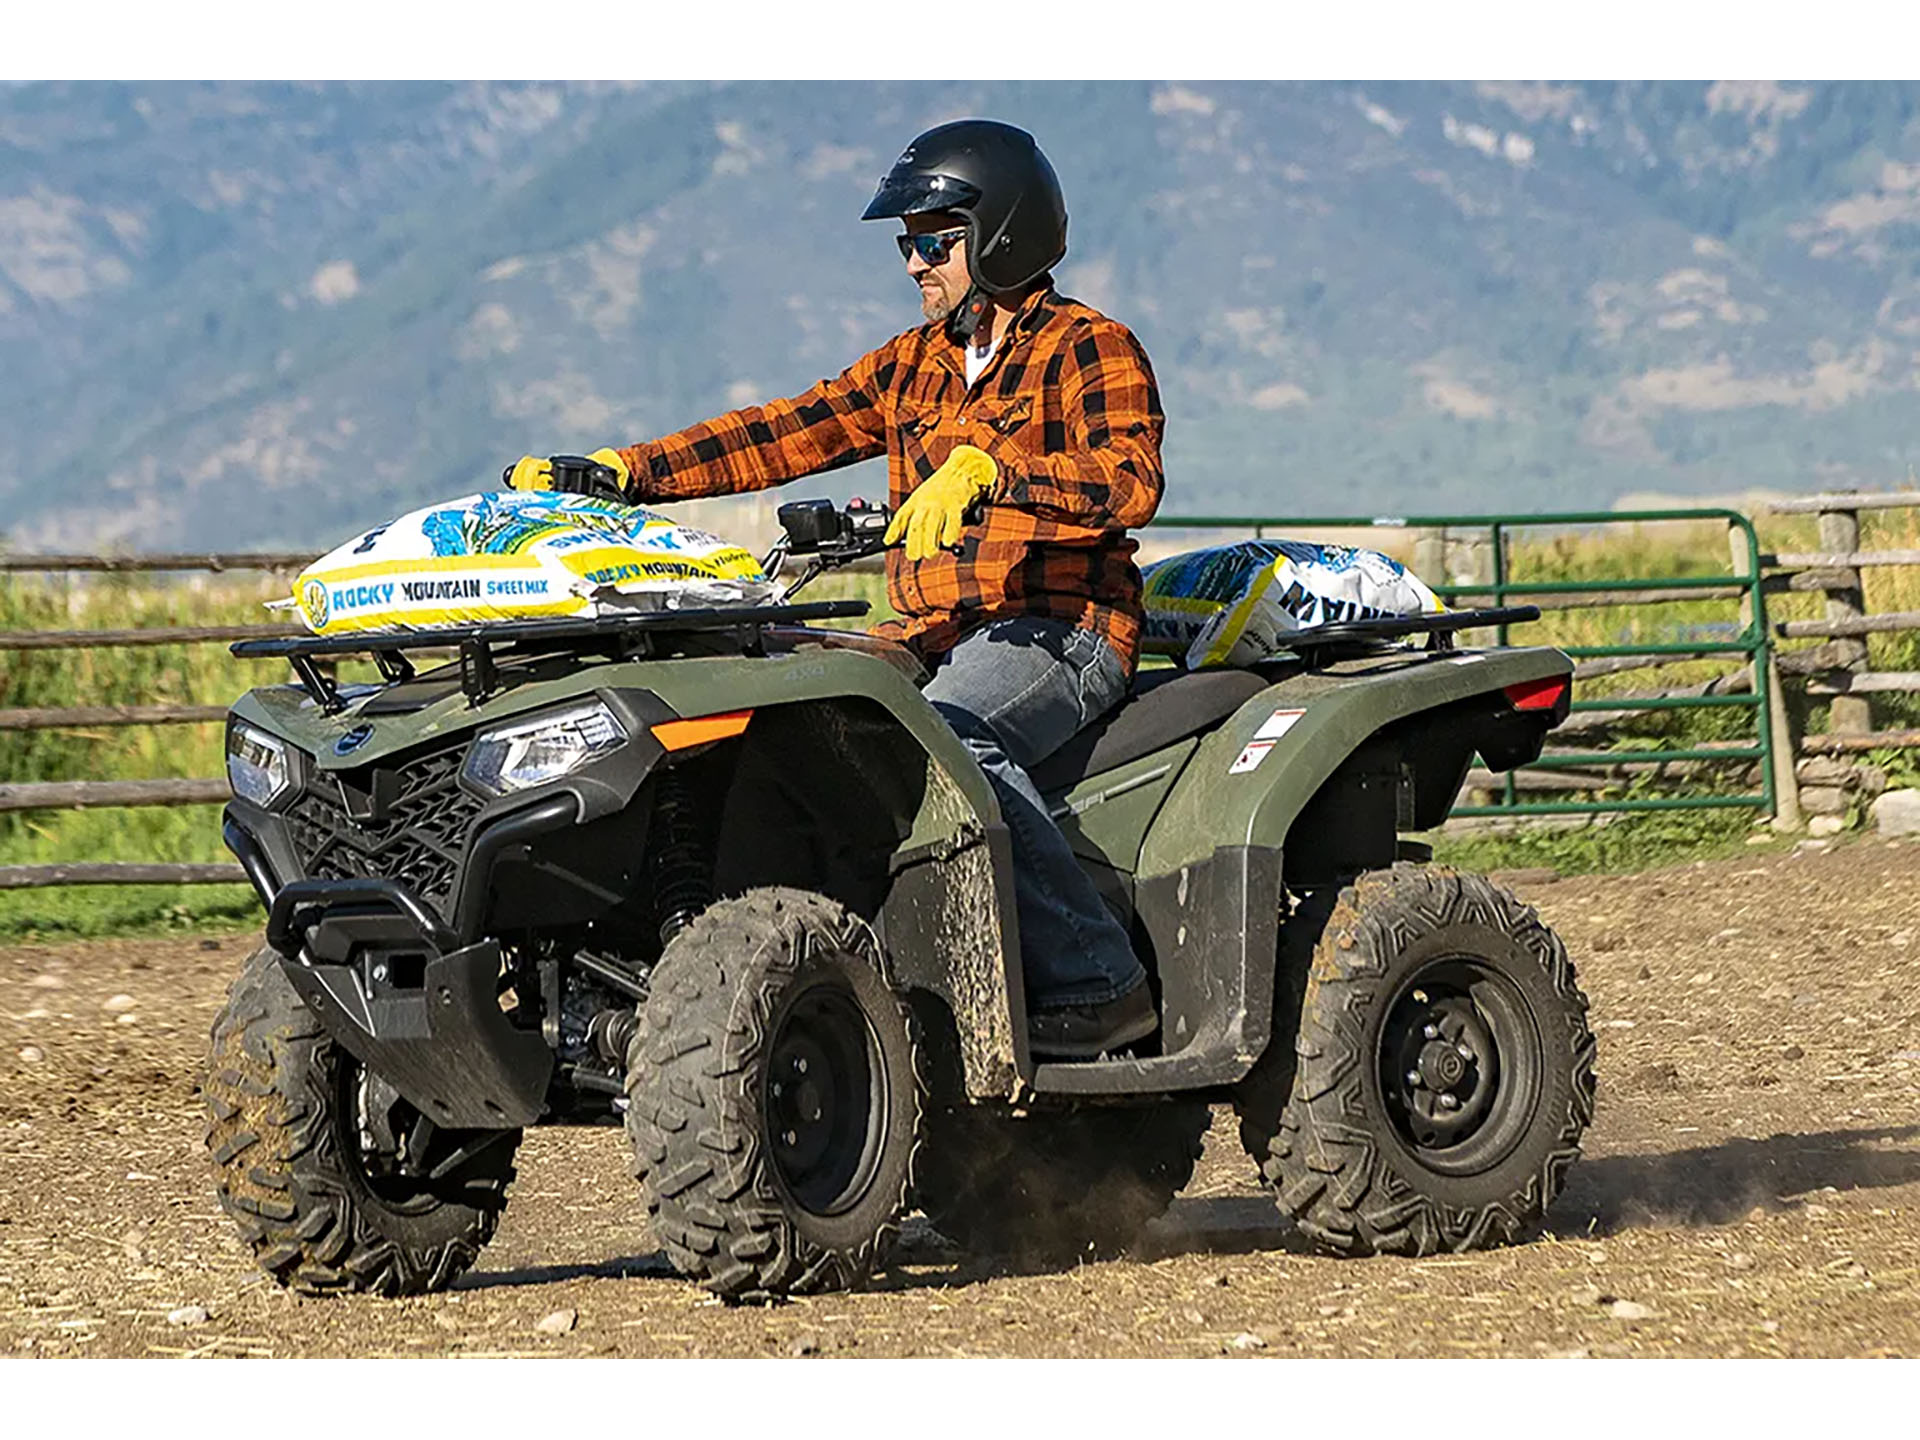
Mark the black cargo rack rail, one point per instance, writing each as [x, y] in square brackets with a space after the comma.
[1440, 628]
[623, 636]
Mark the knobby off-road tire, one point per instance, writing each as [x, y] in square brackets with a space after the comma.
[284, 1133]
[1055, 1187]
[1443, 1073]
[775, 1091]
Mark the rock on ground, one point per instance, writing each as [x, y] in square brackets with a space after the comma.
[558, 1323]
[1897, 812]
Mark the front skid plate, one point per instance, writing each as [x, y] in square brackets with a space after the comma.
[445, 1044]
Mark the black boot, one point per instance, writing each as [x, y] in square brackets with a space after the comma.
[1083, 1032]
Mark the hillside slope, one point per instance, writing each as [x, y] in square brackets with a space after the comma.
[239, 314]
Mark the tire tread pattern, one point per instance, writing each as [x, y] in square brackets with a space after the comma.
[693, 1112]
[280, 1172]
[1320, 1151]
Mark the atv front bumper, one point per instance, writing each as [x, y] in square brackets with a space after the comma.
[412, 999]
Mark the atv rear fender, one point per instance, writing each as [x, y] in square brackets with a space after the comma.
[1308, 783]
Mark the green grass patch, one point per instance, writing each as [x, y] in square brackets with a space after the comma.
[1612, 844]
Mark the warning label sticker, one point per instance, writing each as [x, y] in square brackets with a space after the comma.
[1277, 724]
[1250, 757]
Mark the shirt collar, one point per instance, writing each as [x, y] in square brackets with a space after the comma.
[1035, 310]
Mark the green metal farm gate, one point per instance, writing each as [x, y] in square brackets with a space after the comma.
[1750, 640]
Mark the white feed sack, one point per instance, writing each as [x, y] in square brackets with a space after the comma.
[518, 555]
[1237, 604]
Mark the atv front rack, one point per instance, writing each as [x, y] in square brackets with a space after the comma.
[621, 636]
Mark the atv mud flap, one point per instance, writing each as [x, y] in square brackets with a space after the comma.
[387, 981]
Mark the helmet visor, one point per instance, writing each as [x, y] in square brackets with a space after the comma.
[915, 194]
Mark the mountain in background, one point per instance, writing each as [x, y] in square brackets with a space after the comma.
[236, 314]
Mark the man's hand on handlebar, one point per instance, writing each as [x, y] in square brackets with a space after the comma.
[602, 475]
[933, 517]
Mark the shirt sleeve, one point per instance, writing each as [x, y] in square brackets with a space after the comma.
[1107, 472]
[836, 422]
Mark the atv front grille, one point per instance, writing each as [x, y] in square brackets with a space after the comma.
[418, 842]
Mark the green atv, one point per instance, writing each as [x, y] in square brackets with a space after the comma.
[726, 876]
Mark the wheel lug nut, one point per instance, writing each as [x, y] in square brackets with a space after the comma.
[1413, 1078]
[1465, 1052]
[791, 1138]
[1432, 1032]
[800, 1065]
[1447, 1101]
[776, 1089]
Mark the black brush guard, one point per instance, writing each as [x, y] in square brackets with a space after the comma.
[414, 998]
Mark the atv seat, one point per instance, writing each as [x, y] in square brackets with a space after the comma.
[1163, 706]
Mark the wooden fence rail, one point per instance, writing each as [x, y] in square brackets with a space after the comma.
[145, 635]
[271, 560]
[1835, 670]
[117, 872]
[1840, 669]
[109, 794]
[91, 717]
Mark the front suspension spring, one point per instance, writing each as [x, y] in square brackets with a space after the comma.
[681, 866]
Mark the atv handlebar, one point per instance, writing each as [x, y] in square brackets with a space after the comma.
[577, 475]
[819, 528]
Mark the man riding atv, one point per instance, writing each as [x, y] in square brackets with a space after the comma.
[1022, 433]
[773, 897]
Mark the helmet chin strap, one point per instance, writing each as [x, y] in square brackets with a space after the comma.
[967, 315]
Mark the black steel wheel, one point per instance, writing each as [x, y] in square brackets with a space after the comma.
[335, 1182]
[1442, 1068]
[1460, 1058]
[774, 1086]
[826, 1097]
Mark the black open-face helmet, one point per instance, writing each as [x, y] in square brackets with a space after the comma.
[995, 176]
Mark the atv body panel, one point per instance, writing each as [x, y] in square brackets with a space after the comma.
[841, 746]
[1308, 780]
[1195, 806]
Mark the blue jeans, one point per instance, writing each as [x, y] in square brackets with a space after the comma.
[1015, 691]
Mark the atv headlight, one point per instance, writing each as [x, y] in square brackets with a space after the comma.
[257, 765]
[533, 752]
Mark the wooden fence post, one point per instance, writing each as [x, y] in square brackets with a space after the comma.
[1430, 554]
[1840, 534]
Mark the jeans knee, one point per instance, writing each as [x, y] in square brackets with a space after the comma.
[975, 734]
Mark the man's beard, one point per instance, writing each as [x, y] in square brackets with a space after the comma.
[934, 304]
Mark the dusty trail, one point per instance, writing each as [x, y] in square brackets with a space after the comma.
[1751, 1186]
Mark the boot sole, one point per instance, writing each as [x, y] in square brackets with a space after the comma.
[1137, 1030]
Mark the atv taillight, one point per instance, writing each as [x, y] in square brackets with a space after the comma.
[1549, 694]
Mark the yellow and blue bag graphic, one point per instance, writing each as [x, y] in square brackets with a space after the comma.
[1237, 604]
[516, 555]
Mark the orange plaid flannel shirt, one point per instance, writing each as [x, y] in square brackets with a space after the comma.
[1068, 410]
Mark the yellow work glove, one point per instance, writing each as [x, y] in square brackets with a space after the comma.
[933, 516]
[532, 472]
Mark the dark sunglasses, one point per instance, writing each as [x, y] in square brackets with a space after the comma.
[933, 248]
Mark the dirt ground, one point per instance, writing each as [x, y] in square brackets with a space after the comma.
[1751, 1185]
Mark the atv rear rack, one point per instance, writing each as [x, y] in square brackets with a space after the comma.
[1439, 628]
[622, 636]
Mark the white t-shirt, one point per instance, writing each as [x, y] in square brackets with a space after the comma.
[977, 360]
